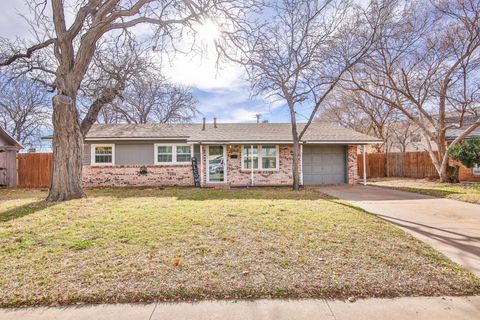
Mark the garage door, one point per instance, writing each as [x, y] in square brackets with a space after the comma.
[324, 164]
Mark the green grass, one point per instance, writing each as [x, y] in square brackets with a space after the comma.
[131, 245]
[467, 192]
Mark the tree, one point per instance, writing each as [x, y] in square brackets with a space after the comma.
[70, 46]
[467, 152]
[360, 112]
[427, 66]
[24, 109]
[151, 99]
[302, 52]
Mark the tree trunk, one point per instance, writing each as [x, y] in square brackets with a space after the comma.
[295, 164]
[442, 172]
[66, 181]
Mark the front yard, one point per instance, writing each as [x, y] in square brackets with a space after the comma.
[188, 244]
[468, 192]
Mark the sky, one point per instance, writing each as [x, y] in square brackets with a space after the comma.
[222, 91]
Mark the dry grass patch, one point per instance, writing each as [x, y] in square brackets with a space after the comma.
[467, 192]
[186, 244]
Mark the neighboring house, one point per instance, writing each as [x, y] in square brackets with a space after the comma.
[8, 159]
[231, 154]
[464, 174]
[405, 136]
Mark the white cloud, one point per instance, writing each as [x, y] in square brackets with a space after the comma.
[202, 72]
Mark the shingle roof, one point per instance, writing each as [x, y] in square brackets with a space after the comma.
[228, 133]
[451, 134]
[10, 139]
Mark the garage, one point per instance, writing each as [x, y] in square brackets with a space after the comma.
[324, 164]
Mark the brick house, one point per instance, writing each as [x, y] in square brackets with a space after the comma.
[229, 154]
[464, 174]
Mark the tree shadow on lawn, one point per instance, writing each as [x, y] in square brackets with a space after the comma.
[24, 210]
[463, 242]
[203, 194]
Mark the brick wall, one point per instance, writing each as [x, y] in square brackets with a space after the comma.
[238, 177]
[129, 175]
[352, 169]
[466, 174]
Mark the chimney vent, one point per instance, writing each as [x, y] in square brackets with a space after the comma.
[214, 122]
[203, 127]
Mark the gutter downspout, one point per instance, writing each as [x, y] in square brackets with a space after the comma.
[364, 165]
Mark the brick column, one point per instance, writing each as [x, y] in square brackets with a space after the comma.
[352, 164]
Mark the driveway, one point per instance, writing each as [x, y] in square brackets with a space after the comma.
[451, 227]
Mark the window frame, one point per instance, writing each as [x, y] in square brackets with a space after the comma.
[244, 157]
[93, 154]
[260, 162]
[174, 153]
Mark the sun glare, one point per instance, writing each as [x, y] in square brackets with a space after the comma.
[208, 31]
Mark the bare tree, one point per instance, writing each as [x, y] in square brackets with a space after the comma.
[117, 63]
[360, 112]
[428, 63]
[152, 99]
[24, 109]
[302, 52]
[70, 46]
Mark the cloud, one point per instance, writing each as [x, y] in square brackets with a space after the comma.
[235, 105]
[221, 89]
[12, 25]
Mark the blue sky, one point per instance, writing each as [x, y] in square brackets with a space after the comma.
[221, 90]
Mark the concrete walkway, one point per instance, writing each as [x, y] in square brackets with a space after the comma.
[451, 227]
[393, 309]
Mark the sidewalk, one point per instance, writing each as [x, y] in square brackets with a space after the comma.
[437, 308]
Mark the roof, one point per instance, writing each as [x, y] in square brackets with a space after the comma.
[10, 139]
[452, 134]
[228, 133]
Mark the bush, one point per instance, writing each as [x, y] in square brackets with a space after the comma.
[467, 152]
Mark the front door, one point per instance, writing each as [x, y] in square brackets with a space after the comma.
[216, 171]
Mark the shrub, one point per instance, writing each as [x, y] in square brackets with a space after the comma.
[467, 152]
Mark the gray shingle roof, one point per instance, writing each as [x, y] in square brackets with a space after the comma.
[228, 133]
[451, 134]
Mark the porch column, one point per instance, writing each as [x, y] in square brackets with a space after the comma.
[201, 165]
[252, 177]
[301, 164]
[364, 165]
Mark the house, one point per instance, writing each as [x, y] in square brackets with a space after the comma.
[464, 174]
[8, 159]
[230, 154]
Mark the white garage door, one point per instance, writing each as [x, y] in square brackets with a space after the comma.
[324, 164]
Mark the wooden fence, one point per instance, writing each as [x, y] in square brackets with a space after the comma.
[398, 164]
[34, 170]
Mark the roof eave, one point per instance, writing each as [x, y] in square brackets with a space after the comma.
[15, 143]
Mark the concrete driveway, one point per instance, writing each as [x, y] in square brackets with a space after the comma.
[451, 227]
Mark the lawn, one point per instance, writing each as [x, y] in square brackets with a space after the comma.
[467, 192]
[187, 244]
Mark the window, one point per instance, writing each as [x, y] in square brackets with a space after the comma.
[103, 154]
[250, 157]
[184, 153]
[260, 157]
[269, 157]
[415, 137]
[171, 153]
[476, 170]
[165, 154]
